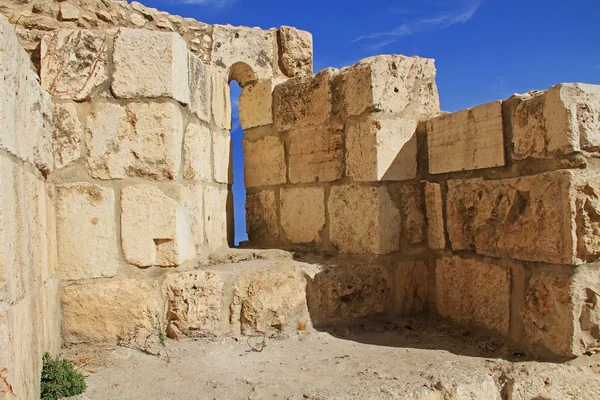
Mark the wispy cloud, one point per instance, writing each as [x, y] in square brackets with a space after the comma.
[440, 20]
[208, 3]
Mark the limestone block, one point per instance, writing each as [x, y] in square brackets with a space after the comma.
[413, 213]
[316, 155]
[215, 217]
[271, 300]
[264, 162]
[303, 214]
[137, 140]
[256, 103]
[295, 52]
[561, 120]
[197, 153]
[550, 217]
[194, 301]
[67, 134]
[394, 84]
[150, 65]
[68, 12]
[262, 221]
[474, 293]
[86, 231]
[221, 102]
[378, 150]
[74, 63]
[192, 200]
[51, 233]
[363, 220]
[253, 46]
[50, 316]
[200, 81]
[104, 310]
[303, 102]
[436, 236]
[561, 314]
[412, 288]
[466, 140]
[222, 157]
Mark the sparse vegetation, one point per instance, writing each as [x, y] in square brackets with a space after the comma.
[60, 379]
[145, 338]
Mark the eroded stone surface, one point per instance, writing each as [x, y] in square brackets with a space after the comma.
[67, 134]
[221, 102]
[222, 157]
[413, 211]
[256, 103]
[436, 236]
[215, 217]
[197, 153]
[262, 217]
[303, 214]
[264, 162]
[412, 288]
[316, 155]
[200, 81]
[295, 51]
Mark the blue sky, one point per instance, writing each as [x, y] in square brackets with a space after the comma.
[484, 49]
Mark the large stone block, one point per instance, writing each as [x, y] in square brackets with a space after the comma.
[466, 140]
[136, 140]
[363, 220]
[561, 120]
[303, 102]
[195, 301]
[413, 213]
[378, 150]
[473, 293]
[74, 63]
[197, 164]
[256, 103]
[264, 162]
[67, 134]
[150, 65]
[221, 102]
[262, 220]
[412, 288]
[107, 309]
[550, 217]
[154, 228]
[222, 157]
[394, 84]
[316, 155]
[215, 217]
[295, 52]
[436, 236]
[303, 214]
[86, 231]
[200, 81]
[192, 200]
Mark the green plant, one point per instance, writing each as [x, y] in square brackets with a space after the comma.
[144, 338]
[60, 379]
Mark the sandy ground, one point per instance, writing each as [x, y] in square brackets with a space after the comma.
[404, 359]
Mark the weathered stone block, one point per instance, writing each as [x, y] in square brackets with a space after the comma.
[256, 103]
[154, 228]
[561, 120]
[195, 301]
[394, 84]
[192, 200]
[316, 155]
[413, 212]
[197, 148]
[215, 214]
[363, 220]
[74, 63]
[303, 214]
[68, 12]
[474, 293]
[221, 102]
[67, 134]
[295, 52]
[378, 150]
[436, 236]
[262, 221]
[137, 140]
[200, 81]
[222, 157]
[550, 217]
[86, 231]
[150, 65]
[303, 102]
[104, 310]
[466, 140]
[412, 288]
[264, 162]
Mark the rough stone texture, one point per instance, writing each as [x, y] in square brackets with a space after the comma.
[215, 217]
[550, 217]
[436, 236]
[194, 301]
[222, 157]
[200, 81]
[394, 84]
[295, 51]
[197, 153]
[150, 65]
[473, 293]
[68, 12]
[67, 134]
[303, 102]
[378, 150]
[271, 300]
[264, 162]
[251, 46]
[412, 288]
[106, 309]
[136, 140]
[303, 214]
[413, 212]
[316, 155]
[192, 200]
[221, 102]
[363, 220]
[262, 217]
[561, 313]
[87, 232]
[466, 140]
[561, 120]
[74, 63]
[256, 103]
[154, 228]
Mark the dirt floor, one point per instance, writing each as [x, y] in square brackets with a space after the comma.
[404, 359]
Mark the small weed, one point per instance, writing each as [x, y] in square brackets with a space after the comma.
[144, 338]
[60, 379]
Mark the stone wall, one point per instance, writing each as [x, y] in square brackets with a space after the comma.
[29, 285]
